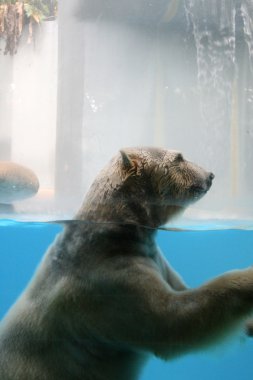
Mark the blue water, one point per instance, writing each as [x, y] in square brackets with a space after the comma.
[198, 256]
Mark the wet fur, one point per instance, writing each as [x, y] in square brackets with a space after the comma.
[104, 298]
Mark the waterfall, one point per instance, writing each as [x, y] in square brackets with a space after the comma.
[247, 16]
[223, 36]
[213, 25]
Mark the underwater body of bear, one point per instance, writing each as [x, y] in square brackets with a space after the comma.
[104, 297]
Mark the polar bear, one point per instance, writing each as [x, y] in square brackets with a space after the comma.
[104, 298]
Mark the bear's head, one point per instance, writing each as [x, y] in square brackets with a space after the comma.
[146, 186]
[163, 180]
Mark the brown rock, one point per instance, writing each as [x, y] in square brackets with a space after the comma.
[16, 182]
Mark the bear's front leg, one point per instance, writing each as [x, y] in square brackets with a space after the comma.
[132, 306]
[173, 279]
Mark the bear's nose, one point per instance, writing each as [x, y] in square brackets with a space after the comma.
[209, 179]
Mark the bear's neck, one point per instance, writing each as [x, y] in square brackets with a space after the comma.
[105, 203]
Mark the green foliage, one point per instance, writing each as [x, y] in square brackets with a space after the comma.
[39, 10]
[7, 1]
[12, 19]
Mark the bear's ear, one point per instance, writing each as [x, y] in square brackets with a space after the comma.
[126, 161]
[131, 166]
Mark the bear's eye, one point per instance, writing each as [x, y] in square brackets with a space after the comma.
[179, 157]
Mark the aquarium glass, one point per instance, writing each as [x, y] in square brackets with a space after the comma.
[92, 76]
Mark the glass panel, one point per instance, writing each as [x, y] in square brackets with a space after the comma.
[110, 74]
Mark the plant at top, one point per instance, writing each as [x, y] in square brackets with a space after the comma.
[39, 10]
[15, 14]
